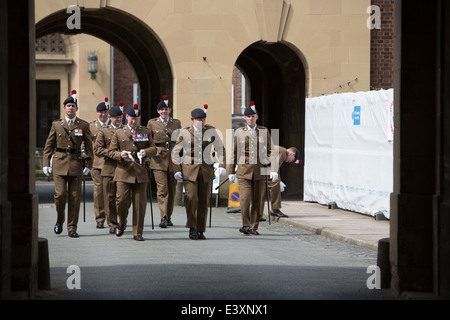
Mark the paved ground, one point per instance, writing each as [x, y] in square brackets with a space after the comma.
[287, 261]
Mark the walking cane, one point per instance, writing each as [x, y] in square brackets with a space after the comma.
[84, 158]
[221, 183]
[84, 190]
[149, 191]
[268, 198]
[210, 205]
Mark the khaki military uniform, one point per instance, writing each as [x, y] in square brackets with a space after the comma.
[101, 149]
[162, 165]
[197, 169]
[274, 186]
[130, 176]
[251, 171]
[67, 168]
[99, 206]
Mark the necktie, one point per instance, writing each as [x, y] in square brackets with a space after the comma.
[70, 123]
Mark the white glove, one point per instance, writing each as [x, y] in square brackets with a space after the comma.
[47, 171]
[273, 176]
[178, 175]
[222, 171]
[86, 171]
[282, 186]
[232, 178]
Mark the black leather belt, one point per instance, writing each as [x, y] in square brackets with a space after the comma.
[166, 145]
[68, 150]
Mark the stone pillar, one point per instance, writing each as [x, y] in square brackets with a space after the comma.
[21, 136]
[5, 205]
[416, 169]
[443, 236]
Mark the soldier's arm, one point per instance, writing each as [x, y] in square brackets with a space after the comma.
[114, 150]
[177, 152]
[150, 134]
[88, 148]
[219, 148]
[232, 165]
[50, 145]
[100, 145]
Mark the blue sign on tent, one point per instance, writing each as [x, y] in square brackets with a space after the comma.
[356, 116]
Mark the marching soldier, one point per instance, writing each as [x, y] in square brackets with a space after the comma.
[65, 139]
[196, 168]
[101, 146]
[95, 127]
[161, 130]
[251, 153]
[130, 146]
[284, 155]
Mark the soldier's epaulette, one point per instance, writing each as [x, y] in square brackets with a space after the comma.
[82, 121]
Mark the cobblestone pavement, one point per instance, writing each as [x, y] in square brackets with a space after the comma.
[343, 248]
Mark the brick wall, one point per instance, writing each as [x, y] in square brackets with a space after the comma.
[124, 77]
[382, 47]
[237, 86]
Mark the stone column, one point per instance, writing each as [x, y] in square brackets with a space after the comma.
[21, 137]
[416, 149]
[5, 205]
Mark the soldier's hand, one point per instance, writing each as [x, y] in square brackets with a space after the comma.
[222, 171]
[282, 186]
[178, 175]
[232, 178]
[47, 171]
[86, 171]
[273, 176]
[124, 155]
[142, 153]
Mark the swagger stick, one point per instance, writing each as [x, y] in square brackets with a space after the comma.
[268, 198]
[83, 163]
[210, 205]
[149, 191]
[221, 183]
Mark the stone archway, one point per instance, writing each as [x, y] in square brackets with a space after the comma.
[277, 81]
[131, 36]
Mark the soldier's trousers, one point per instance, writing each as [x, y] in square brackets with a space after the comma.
[166, 188]
[275, 194]
[67, 186]
[251, 201]
[196, 201]
[109, 193]
[136, 194]
[99, 203]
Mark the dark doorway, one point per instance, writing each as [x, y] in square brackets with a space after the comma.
[277, 81]
[47, 108]
[132, 37]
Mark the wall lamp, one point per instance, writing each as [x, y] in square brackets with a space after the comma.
[92, 64]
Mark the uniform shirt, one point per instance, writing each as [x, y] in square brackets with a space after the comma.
[96, 126]
[162, 136]
[189, 154]
[64, 163]
[251, 153]
[125, 140]
[101, 149]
